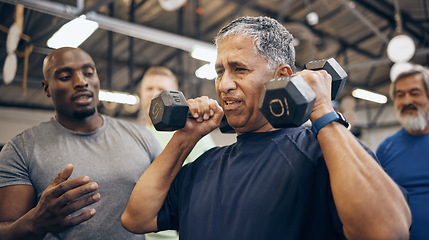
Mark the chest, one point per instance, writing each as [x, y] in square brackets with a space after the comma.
[257, 184]
[407, 162]
[112, 163]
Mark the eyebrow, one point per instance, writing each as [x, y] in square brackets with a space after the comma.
[233, 64]
[411, 90]
[69, 69]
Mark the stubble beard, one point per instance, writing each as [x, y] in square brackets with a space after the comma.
[84, 113]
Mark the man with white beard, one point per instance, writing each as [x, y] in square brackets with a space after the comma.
[405, 155]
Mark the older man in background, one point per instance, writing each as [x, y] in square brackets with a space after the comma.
[405, 154]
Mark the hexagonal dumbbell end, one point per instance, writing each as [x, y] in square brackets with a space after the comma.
[287, 101]
[168, 111]
[339, 76]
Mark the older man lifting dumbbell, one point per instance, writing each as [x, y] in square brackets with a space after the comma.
[272, 183]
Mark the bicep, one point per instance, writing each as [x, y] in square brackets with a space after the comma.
[15, 201]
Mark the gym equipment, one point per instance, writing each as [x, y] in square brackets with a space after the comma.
[169, 111]
[288, 101]
[339, 76]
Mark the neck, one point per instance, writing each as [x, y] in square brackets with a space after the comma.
[265, 127]
[84, 125]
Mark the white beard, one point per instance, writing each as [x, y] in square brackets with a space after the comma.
[411, 123]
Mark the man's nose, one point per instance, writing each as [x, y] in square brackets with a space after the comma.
[407, 99]
[226, 83]
[80, 80]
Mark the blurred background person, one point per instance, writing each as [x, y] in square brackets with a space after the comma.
[404, 155]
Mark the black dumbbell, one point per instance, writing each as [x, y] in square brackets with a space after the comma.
[338, 75]
[288, 101]
[169, 111]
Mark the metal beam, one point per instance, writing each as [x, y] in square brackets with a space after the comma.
[96, 6]
[365, 21]
[115, 25]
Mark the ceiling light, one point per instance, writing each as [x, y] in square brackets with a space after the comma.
[118, 97]
[296, 42]
[73, 33]
[369, 96]
[401, 48]
[399, 68]
[206, 71]
[207, 54]
[312, 18]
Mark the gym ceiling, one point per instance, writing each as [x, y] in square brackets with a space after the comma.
[356, 33]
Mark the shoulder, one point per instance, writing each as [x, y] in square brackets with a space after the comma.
[42, 130]
[26, 141]
[126, 126]
[390, 141]
[116, 122]
[302, 141]
[209, 157]
[130, 131]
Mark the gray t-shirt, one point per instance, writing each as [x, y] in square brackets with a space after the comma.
[114, 156]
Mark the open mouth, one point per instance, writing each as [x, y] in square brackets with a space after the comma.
[231, 102]
[82, 98]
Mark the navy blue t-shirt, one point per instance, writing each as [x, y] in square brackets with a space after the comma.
[269, 185]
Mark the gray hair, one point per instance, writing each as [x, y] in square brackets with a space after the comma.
[272, 40]
[415, 69]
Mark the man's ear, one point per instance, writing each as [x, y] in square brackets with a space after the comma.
[283, 71]
[45, 86]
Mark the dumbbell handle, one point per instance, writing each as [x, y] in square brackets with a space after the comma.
[338, 74]
[169, 111]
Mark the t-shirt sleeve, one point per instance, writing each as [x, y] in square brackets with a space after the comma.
[147, 140]
[335, 218]
[203, 145]
[168, 214]
[13, 168]
[154, 148]
[177, 200]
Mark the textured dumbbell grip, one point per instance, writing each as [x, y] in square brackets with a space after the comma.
[323, 121]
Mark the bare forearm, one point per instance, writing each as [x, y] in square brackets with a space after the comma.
[152, 188]
[369, 203]
[20, 229]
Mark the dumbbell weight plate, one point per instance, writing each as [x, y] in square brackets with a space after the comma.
[168, 111]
